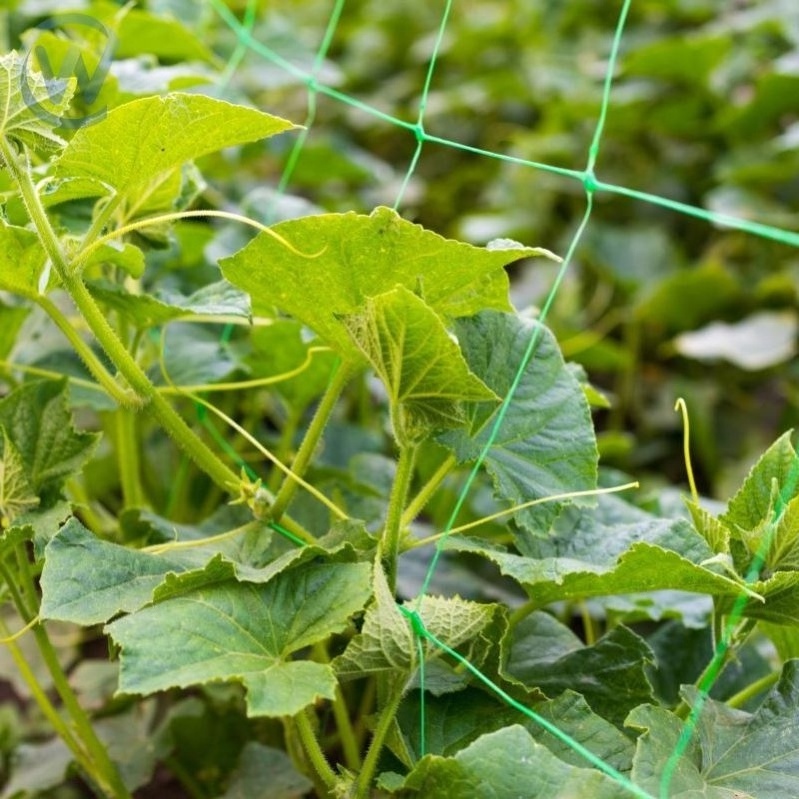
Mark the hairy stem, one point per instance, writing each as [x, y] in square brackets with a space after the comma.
[417, 504]
[313, 751]
[392, 537]
[387, 714]
[127, 445]
[311, 440]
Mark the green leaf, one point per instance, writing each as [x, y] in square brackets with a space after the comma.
[611, 674]
[385, 643]
[38, 422]
[162, 306]
[279, 348]
[22, 261]
[756, 754]
[613, 549]
[420, 365]
[497, 764]
[124, 255]
[774, 473]
[140, 140]
[455, 720]
[347, 258]
[247, 633]
[546, 443]
[31, 105]
[16, 494]
[266, 773]
[86, 580]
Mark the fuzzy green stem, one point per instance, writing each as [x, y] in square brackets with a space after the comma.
[93, 364]
[417, 504]
[392, 536]
[753, 689]
[313, 751]
[311, 440]
[107, 337]
[387, 714]
[128, 458]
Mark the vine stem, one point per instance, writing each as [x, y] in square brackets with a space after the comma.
[170, 420]
[753, 689]
[390, 545]
[312, 437]
[89, 751]
[384, 723]
[313, 751]
[417, 504]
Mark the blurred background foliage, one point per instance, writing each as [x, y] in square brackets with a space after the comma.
[705, 111]
[656, 305]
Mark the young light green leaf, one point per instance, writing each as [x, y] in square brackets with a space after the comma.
[546, 443]
[38, 422]
[142, 139]
[422, 368]
[31, 106]
[247, 633]
[754, 502]
[498, 763]
[754, 755]
[22, 260]
[385, 642]
[611, 674]
[348, 257]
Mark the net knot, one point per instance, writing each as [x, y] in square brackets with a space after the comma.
[312, 84]
[590, 182]
[419, 132]
[415, 619]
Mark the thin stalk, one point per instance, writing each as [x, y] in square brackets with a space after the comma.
[387, 714]
[346, 732]
[392, 536]
[753, 689]
[311, 440]
[588, 624]
[417, 504]
[40, 697]
[316, 757]
[89, 752]
[121, 396]
[128, 458]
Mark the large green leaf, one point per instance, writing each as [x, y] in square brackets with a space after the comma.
[140, 140]
[86, 580]
[38, 423]
[733, 754]
[612, 549]
[248, 633]
[22, 260]
[546, 443]
[498, 764]
[611, 674]
[422, 368]
[345, 258]
[30, 106]
[455, 720]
